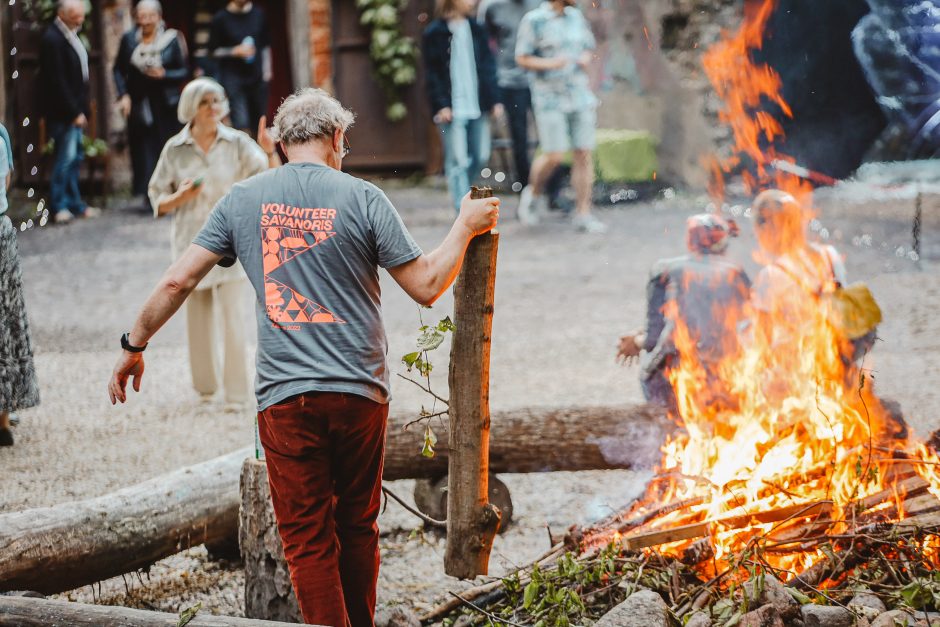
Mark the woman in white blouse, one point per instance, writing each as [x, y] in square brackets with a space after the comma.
[196, 168]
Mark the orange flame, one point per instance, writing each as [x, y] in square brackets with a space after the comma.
[747, 89]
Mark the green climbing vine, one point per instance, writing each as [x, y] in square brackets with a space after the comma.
[394, 54]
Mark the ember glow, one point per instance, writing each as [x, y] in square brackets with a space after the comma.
[782, 437]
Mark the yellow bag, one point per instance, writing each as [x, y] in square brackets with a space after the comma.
[855, 312]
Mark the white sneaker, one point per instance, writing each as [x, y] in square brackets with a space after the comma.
[587, 223]
[63, 216]
[530, 206]
[91, 212]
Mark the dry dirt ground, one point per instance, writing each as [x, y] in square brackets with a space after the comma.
[562, 301]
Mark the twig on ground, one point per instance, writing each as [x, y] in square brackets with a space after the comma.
[479, 609]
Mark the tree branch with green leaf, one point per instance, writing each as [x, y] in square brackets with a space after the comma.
[430, 338]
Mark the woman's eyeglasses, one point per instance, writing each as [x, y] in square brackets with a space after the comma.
[346, 148]
[211, 102]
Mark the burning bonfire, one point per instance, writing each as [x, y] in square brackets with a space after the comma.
[785, 463]
[782, 444]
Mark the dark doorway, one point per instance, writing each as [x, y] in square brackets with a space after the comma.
[193, 18]
[379, 144]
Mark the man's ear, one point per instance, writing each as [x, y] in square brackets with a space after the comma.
[337, 140]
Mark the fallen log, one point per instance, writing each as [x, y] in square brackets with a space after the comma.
[53, 549]
[31, 612]
[542, 440]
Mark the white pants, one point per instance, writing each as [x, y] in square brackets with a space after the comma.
[206, 311]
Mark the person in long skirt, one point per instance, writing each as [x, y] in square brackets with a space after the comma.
[18, 386]
[197, 167]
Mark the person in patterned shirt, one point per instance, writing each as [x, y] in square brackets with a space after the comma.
[555, 45]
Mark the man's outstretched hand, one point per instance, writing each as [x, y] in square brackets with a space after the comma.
[129, 365]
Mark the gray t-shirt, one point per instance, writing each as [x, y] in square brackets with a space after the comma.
[310, 239]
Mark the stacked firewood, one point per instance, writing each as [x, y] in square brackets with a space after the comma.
[876, 566]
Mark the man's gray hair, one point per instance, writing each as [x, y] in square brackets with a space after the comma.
[310, 114]
[62, 5]
[193, 94]
[153, 5]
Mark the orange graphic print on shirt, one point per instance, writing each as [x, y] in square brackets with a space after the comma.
[288, 233]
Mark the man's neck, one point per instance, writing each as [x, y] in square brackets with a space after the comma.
[558, 7]
[308, 153]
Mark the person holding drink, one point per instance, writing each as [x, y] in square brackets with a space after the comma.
[198, 166]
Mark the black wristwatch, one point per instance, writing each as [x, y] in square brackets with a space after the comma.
[126, 345]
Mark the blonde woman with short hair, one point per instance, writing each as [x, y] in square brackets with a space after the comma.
[196, 168]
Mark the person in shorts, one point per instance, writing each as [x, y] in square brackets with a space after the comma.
[555, 45]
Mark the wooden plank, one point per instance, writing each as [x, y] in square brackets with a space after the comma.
[907, 488]
[701, 529]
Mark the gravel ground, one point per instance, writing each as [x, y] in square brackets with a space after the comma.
[563, 299]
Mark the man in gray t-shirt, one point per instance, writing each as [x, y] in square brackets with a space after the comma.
[311, 239]
[305, 233]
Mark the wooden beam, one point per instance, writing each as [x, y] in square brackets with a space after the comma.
[646, 539]
[472, 522]
[32, 612]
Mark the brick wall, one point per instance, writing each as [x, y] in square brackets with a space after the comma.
[321, 44]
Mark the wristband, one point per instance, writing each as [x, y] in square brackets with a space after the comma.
[126, 345]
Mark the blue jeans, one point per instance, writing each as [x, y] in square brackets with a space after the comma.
[67, 161]
[466, 150]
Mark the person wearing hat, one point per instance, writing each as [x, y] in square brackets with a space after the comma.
[689, 289]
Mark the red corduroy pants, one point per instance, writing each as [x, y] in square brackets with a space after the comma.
[324, 455]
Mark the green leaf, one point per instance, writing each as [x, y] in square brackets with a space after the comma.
[446, 324]
[531, 592]
[916, 595]
[188, 615]
[798, 596]
[430, 339]
[396, 112]
[429, 441]
[410, 359]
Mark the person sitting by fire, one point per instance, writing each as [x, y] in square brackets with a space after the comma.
[704, 290]
[798, 287]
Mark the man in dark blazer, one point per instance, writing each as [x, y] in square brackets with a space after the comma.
[64, 69]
